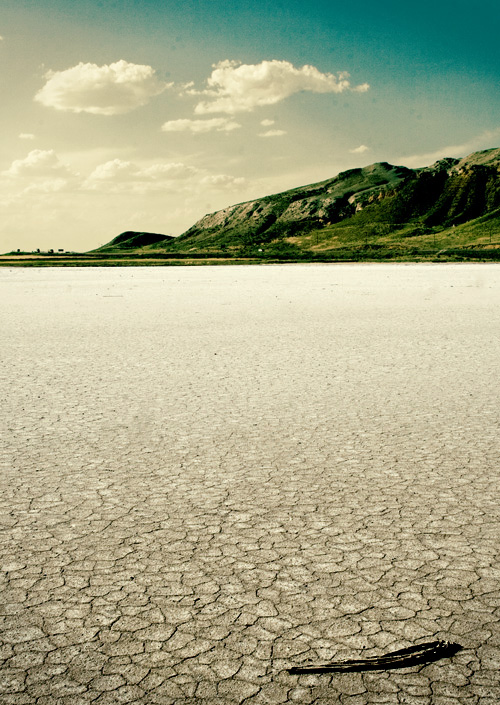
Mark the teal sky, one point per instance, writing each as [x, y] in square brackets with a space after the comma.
[140, 115]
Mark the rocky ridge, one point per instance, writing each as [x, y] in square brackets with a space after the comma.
[449, 192]
[300, 209]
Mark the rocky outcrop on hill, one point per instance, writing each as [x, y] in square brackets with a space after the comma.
[451, 191]
[300, 209]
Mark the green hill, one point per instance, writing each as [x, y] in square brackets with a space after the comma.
[132, 240]
[450, 209]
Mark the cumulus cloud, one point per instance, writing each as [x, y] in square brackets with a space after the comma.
[362, 88]
[170, 170]
[117, 172]
[359, 150]
[273, 133]
[38, 163]
[234, 87]
[200, 126]
[101, 90]
[26, 136]
[115, 169]
[41, 171]
[267, 123]
[119, 176]
[223, 181]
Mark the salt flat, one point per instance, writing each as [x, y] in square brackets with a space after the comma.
[211, 474]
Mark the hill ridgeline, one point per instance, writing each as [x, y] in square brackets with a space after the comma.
[380, 200]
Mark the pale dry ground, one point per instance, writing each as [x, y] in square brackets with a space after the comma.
[212, 474]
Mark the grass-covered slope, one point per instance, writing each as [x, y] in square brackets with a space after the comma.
[292, 212]
[132, 240]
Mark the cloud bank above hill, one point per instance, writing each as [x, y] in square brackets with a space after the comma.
[111, 89]
[121, 176]
[42, 171]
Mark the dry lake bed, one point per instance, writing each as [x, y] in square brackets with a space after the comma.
[212, 474]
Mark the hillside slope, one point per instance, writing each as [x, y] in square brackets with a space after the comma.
[297, 210]
[393, 209]
[132, 240]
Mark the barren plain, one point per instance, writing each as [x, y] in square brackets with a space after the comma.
[212, 474]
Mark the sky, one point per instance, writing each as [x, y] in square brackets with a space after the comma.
[146, 114]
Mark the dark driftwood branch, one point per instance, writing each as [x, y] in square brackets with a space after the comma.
[412, 656]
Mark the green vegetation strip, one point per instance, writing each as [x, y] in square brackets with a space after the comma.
[365, 254]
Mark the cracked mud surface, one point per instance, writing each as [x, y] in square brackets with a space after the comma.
[212, 474]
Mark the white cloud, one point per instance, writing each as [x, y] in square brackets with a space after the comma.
[115, 169]
[359, 150]
[40, 172]
[273, 133]
[223, 181]
[123, 175]
[26, 136]
[119, 176]
[47, 186]
[38, 163]
[101, 90]
[267, 123]
[200, 126]
[169, 170]
[235, 87]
